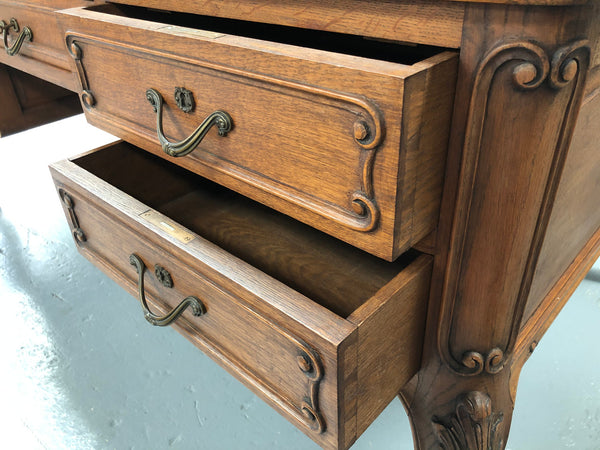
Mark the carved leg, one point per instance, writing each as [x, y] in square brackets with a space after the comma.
[455, 413]
[520, 84]
[473, 424]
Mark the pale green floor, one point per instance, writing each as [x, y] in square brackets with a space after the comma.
[81, 369]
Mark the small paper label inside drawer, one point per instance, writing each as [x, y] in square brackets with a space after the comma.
[172, 229]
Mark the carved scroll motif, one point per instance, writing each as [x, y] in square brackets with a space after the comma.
[473, 426]
[310, 365]
[531, 69]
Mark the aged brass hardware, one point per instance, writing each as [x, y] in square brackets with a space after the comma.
[77, 232]
[195, 304]
[163, 276]
[25, 35]
[184, 99]
[221, 119]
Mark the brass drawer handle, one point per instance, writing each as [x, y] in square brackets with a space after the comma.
[196, 305]
[221, 119]
[25, 35]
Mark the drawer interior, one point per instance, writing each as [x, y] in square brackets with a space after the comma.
[326, 270]
[340, 43]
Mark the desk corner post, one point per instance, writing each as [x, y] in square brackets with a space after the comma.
[521, 80]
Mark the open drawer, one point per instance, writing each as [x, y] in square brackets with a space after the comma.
[32, 41]
[344, 133]
[325, 333]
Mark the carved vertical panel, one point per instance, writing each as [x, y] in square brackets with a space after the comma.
[521, 80]
[508, 185]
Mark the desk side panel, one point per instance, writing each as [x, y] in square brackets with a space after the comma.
[576, 215]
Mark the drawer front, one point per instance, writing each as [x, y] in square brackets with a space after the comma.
[32, 41]
[329, 375]
[351, 146]
[272, 358]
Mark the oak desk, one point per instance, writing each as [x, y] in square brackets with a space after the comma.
[379, 199]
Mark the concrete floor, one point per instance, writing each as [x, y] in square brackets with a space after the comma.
[81, 369]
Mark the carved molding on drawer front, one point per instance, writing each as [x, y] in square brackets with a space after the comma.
[307, 362]
[366, 129]
[557, 79]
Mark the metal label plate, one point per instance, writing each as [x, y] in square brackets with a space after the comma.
[169, 227]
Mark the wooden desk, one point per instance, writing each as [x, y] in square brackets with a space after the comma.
[335, 333]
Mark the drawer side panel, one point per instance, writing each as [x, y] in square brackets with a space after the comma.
[390, 327]
[429, 98]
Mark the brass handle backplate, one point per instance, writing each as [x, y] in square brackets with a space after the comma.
[221, 119]
[195, 304]
[25, 35]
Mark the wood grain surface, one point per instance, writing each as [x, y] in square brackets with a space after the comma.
[520, 85]
[398, 20]
[329, 362]
[351, 145]
[573, 222]
[342, 115]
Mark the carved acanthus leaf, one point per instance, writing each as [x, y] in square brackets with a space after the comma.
[473, 426]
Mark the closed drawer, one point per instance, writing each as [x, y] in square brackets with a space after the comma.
[349, 144]
[325, 333]
[32, 41]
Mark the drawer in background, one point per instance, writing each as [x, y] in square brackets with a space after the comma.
[28, 101]
[354, 145]
[325, 333]
[418, 21]
[36, 45]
